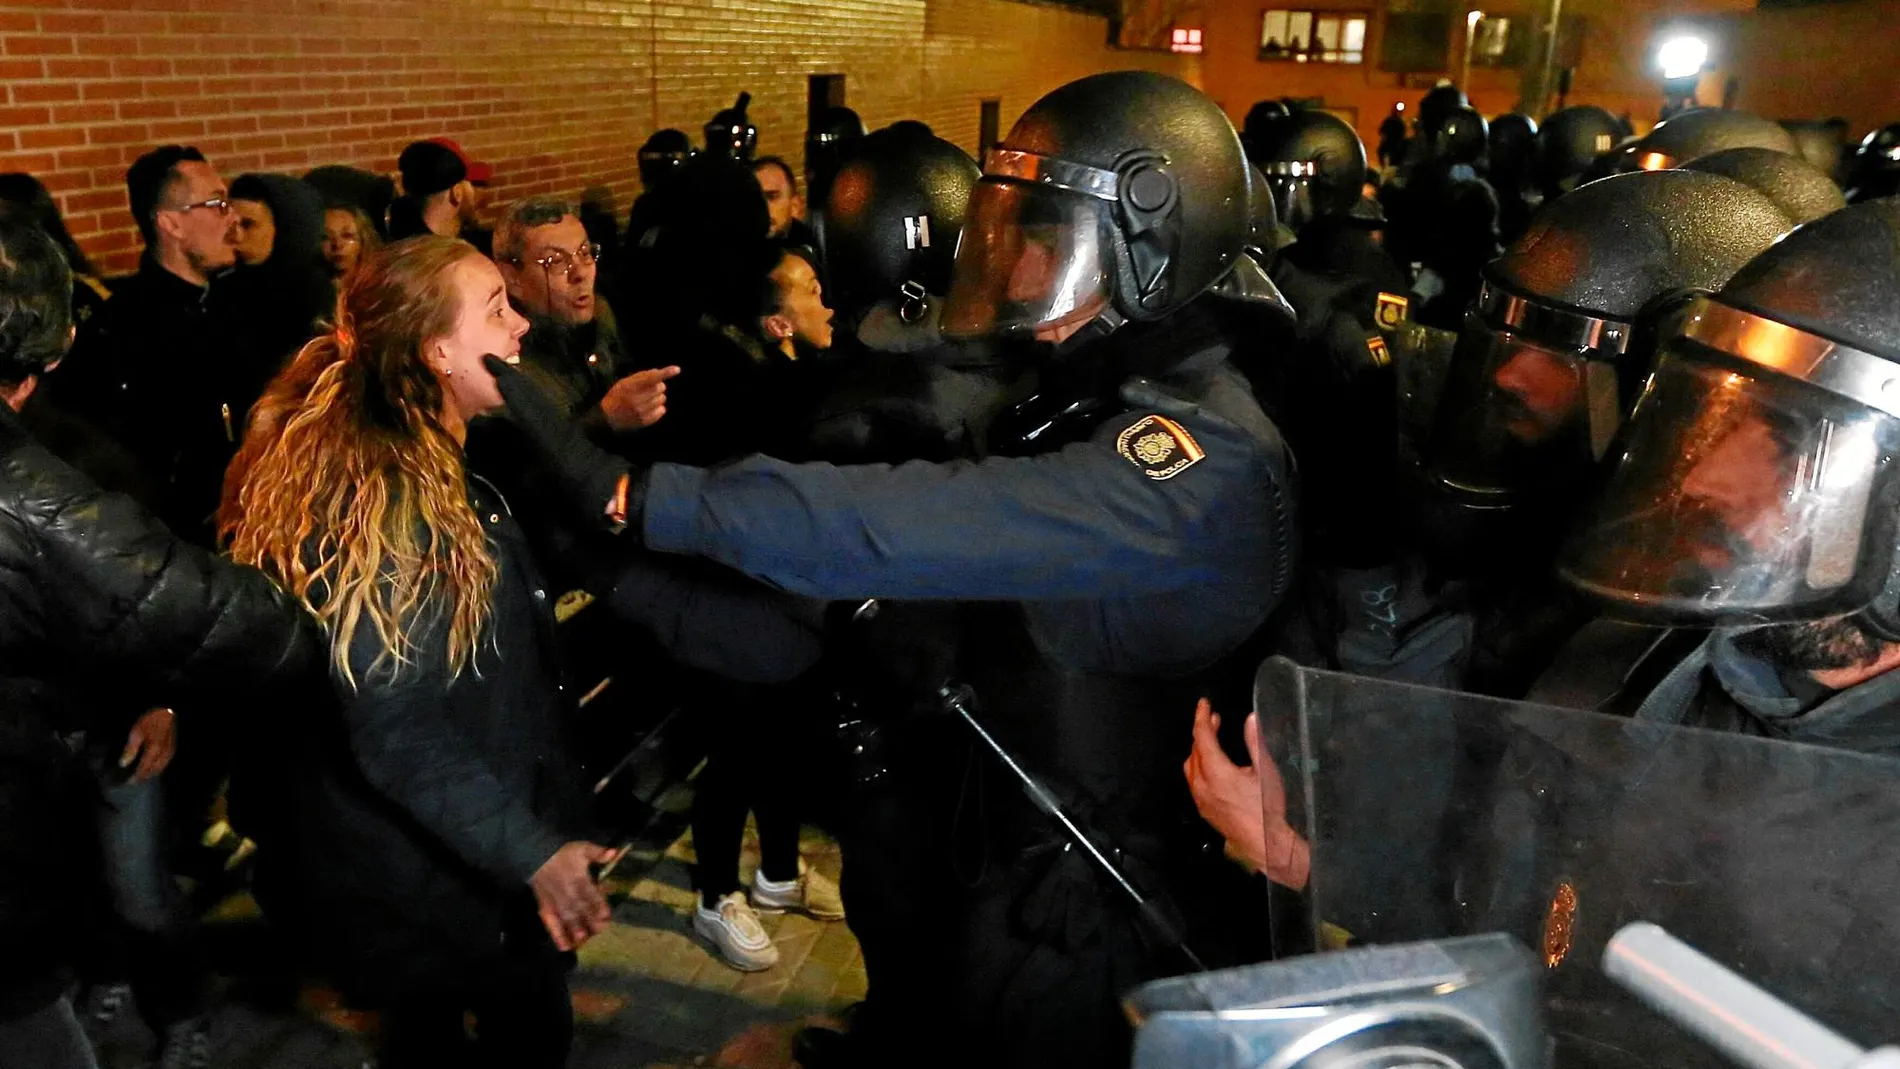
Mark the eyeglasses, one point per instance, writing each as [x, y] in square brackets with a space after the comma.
[563, 261]
[216, 204]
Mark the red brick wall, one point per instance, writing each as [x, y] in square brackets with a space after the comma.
[557, 94]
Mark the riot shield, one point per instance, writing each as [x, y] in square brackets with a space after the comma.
[1433, 814]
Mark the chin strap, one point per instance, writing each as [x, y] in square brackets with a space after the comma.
[1098, 328]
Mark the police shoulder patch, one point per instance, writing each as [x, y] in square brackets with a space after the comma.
[1392, 311]
[1376, 348]
[1159, 446]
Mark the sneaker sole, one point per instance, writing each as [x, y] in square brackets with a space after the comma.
[719, 951]
[775, 909]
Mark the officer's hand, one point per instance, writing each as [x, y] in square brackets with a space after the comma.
[571, 905]
[637, 401]
[1246, 805]
[151, 743]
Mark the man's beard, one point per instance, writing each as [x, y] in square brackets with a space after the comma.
[1814, 646]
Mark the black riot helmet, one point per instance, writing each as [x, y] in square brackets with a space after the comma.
[1875, 171]
[1262, 126]
[1802, 193]
[731, 134]
[1681, 138]
[1437, 105]
[1315, 164]
[832, 134]
[1121, 196]
[1553, 350]
[1568, 142]
[893, 218]
[662, 157]
[1513, 145]
[1823, 143]
[1462, 136]
[1759, 478]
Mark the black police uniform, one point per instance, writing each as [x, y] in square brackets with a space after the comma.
[1131, 557]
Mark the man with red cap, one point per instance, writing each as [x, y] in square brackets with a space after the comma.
[441, 189]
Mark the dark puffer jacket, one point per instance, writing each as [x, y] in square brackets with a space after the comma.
[92, 587]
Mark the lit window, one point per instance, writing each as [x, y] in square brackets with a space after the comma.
[1493, 44]
[1185, 40]
[1313, 36]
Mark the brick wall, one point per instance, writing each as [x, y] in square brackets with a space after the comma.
[557, 94]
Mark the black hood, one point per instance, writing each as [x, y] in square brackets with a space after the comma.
[296, 209]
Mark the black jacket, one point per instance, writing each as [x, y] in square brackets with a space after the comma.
[169, 379]
[91, 587]
[420, 808]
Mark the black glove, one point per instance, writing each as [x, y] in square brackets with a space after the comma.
[590, 474]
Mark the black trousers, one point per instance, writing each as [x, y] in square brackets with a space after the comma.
[523, 1018]
[903, 889]
[753, 766]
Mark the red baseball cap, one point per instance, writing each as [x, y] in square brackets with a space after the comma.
[479, 172]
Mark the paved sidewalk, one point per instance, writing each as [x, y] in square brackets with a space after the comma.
[649, 994]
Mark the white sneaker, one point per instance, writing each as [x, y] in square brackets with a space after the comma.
[813, 894]
[734, 929]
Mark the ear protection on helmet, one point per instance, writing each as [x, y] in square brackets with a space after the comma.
[1147, 195]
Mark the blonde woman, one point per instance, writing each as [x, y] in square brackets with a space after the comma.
[435, 837]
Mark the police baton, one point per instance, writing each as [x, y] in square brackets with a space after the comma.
[960, 699]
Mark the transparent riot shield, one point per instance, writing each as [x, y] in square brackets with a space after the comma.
[1433, 814]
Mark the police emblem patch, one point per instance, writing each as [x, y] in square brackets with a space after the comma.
[1392, 311]
[1381, 356]
[1160, 447]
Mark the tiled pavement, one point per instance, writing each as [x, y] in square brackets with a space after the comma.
[648, 995]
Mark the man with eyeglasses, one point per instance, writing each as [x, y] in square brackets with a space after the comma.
[572, 344]
[163, 371]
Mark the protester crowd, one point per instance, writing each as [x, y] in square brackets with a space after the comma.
[1094, 425]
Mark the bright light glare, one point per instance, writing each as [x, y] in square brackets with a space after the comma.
[1682, 57]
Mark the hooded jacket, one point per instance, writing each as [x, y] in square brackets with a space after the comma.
[285, 298]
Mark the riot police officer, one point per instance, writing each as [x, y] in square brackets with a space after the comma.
[1436, 106]
[1315, 166]
[1328, 380]
[1684, 137]
[1802, 192]
[730, 132]
[662, 156]
[1445, 218]
[1513, 156]
[833, 133]
[1548, 360]
[1568, 142]
[1875, 171]
[911, 394]
[1131, 527]
[1755, 492]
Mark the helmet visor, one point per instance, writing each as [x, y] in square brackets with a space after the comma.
[1516, 416]
[1031, 259]
[1293, 199]
[1740, 497]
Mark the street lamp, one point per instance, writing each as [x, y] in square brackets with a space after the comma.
[1681, 58]
[1471, 35]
